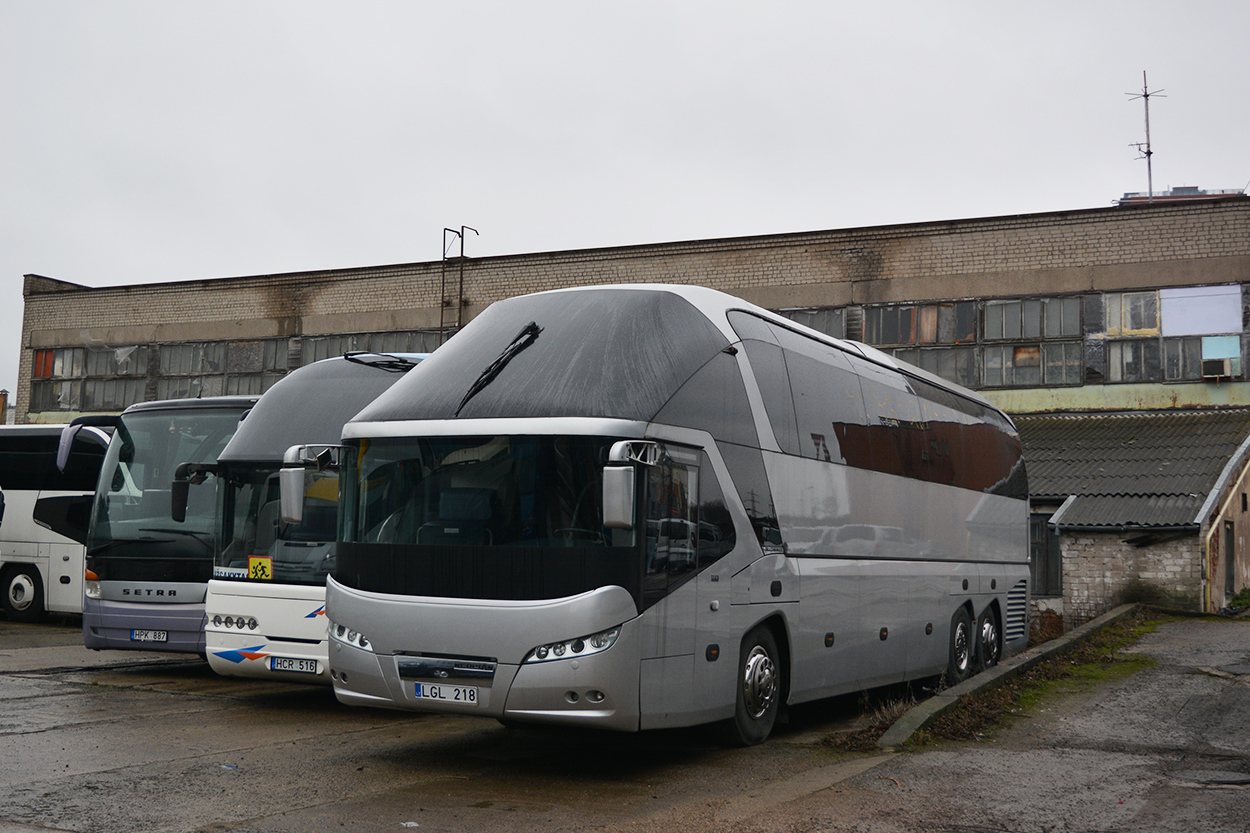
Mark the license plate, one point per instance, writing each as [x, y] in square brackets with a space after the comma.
[302, 666]
[447, 693]
[149, 636]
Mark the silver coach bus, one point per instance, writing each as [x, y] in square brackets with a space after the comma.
[637, 507]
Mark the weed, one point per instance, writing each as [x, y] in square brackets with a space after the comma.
[1097, 660]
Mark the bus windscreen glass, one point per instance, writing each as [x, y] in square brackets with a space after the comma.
[133, 500]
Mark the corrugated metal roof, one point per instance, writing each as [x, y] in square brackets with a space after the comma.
[1137, 469]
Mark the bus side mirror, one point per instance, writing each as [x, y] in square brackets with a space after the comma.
[179, 492]
[618, 497]
[291, 481]
[291, 495]
[186, 475]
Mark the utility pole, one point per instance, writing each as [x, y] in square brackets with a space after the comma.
[442, 291]
[1147, 153]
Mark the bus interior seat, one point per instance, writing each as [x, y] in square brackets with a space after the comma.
[464, 516]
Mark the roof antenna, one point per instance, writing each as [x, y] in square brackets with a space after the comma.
[1146, 154]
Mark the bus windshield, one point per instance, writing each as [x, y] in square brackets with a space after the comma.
[133, 499]
[503, 517]
[479, 491]
[255, 543]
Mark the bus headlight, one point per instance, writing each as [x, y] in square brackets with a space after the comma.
[241, 622]
[582, 646]
[91, 585]
[342, 633]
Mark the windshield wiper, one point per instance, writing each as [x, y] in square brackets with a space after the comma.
[527, 336]
[382, 361]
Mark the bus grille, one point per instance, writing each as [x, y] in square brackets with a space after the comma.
[1017, 623]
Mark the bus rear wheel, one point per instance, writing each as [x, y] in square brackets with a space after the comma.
[758, 685]
[989, 651]
[23, 593]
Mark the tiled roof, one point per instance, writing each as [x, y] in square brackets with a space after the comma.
[1135, 469]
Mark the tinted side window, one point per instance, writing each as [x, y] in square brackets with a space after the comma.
[716, 527]
[714, 400]
[769, 368]
[827, 397]
[30, 463]
[746, 467]
[896, 430]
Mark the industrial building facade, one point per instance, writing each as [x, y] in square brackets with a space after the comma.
[1121, 309]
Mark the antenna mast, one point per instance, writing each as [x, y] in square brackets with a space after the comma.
[1147, 153]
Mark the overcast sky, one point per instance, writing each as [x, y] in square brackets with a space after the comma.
[167, 141]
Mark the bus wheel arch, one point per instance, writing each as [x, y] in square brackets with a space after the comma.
[962, 649]
[989, 648]
[760, 684]
[22, 598]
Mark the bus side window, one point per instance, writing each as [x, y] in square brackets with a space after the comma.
[671, 525]
[716, 528]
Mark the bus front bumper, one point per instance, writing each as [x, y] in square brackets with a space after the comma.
[138, 626]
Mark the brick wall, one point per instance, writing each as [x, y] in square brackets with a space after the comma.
[1111, 248]
[1100, 572]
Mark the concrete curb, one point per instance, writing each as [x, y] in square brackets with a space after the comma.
[922, 715]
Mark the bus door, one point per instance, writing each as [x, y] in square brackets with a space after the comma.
[670, 516]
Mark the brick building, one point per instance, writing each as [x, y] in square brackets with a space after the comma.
[1120, 309]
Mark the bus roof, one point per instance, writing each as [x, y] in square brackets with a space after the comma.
[310, 404]
[616, 351]
[242, 402]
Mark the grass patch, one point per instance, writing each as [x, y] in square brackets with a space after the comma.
[1099, 660]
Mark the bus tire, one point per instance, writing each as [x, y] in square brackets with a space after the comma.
[758, 689]
[989, 650]
[962, 647]
[23, 593]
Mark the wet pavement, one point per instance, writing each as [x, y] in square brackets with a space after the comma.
[110, 741]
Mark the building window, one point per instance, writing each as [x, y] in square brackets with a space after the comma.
[1033, 318]
[408, 341]
[1182, 359]
[56, 383]
[1132, 313]
[830, 321]
[217, 368]
[954, 364]
[1045, 560]
[947, 323]
[1133, 361]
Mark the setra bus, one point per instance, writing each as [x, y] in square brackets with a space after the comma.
[43, 518]
[146, 573]
[661, 506]
[265, 605]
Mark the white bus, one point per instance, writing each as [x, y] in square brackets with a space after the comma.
[146, 573]
[631, 519]
[43, 518]
[265, 606]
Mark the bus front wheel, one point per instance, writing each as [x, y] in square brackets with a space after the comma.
[758, 695]
[963, 643]
[23, 593]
